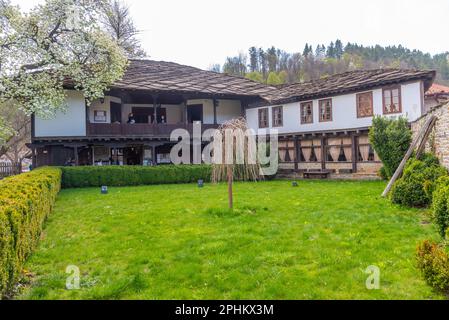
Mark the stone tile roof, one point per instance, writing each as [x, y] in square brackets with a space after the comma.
[437, 89]
[170, 77]
[161, 76]
[351, 81]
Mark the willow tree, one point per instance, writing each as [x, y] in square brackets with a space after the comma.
[235, 155]
[55, 41]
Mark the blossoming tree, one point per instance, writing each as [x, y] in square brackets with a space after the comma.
[40, 51]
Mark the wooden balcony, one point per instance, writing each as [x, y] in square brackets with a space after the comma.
[140, 130]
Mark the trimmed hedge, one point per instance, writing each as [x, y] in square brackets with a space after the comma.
[97, 176]
[440, 209]
[25, 202]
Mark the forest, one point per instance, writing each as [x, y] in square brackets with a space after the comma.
[275, 66]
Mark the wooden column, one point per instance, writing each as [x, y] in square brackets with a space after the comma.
[354, 152]
[155, 108]
[215, 110]
[75, 150]
[297, 153]
[34, 158]
[154, 156]
[323, 153]
[186, 119]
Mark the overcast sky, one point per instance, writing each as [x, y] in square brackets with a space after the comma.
[203, 32]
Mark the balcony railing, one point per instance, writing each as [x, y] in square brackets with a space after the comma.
[138, 129]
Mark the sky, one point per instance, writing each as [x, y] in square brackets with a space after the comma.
[204, 32]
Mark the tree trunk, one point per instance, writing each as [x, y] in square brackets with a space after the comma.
[231, 202]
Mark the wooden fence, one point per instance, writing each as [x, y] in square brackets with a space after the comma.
[9, 169]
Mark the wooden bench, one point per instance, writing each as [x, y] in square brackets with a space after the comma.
[311, 174]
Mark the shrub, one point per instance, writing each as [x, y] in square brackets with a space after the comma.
[96, 176]
[440, 205]
[433, 261]
[391, 140]
[25, 202]
[417, 184]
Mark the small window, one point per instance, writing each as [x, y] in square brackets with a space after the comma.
[100, 116]
[277, 117]
[392, 100]
[364, 105]
[307, 112]
[263, 118]
[325, 110]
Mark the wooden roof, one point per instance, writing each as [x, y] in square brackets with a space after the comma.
[170, 77]
[350, 82]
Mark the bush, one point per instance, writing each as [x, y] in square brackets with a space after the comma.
[416, 186]
[97, 176]
[440, 206]
[433, 261]
[25, 202]
[390, 139]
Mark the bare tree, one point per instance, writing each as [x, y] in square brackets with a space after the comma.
[119, 24]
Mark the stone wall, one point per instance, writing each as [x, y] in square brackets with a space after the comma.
[438, 142]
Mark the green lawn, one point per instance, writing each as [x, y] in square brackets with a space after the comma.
[176, 242]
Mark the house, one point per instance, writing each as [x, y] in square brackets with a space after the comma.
[435, 96]
[162, 96]
[322, 124]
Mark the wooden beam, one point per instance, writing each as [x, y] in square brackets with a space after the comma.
[420, 137]
[422, 145]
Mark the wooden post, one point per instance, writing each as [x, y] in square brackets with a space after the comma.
[155, 109]
[154, 156]
[296, 153]
[75, 150]
[422, 134]
[323, 153]
[229, 172]
[354, 153]
[215, 110]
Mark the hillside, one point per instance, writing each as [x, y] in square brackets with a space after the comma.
[276, 66]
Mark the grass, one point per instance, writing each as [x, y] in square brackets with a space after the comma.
[314, 241]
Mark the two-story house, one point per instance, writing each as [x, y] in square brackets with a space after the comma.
[132, 124]
[322, 124]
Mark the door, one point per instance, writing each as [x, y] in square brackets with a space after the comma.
[195, 113]
[116, 112]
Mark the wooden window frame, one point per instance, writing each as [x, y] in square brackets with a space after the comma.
[105, 116]
[281, 117]
[267, 119]
[301, 108]
[319, 110]
[391, 88]
[372, 104]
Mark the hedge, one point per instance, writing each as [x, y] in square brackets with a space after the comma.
[25, 202]
[97, 176]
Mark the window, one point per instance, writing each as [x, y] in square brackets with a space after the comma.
[364, 104]
[325, 110]
[263, 118]
[307, 112]
[277, 117]
[392, 100]
[100, 116]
